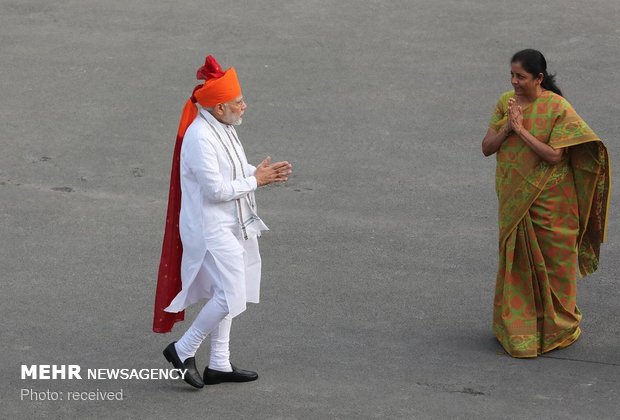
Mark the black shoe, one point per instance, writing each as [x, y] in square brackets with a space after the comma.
[192, 376]
[212, 377]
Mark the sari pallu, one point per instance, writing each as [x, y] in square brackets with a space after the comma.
[552, 220]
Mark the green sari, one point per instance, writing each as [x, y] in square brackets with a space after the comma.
[552, 220]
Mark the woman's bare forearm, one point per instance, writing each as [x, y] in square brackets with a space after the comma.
[493, 140]
[544, 151]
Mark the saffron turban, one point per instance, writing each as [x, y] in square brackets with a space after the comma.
[219, 87]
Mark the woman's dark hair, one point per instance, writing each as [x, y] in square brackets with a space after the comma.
[534, 63]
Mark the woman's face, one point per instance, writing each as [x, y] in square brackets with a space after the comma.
[524, 83]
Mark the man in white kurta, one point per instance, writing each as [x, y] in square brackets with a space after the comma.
[219, 227]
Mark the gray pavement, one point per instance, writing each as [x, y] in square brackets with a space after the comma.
[379, 266]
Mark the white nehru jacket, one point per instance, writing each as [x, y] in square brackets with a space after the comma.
[218, 215]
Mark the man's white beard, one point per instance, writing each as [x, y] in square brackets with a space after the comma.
[238, 121]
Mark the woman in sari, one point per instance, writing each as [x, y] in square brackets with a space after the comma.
[553, 184]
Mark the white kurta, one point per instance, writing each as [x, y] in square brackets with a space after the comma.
[218, 221]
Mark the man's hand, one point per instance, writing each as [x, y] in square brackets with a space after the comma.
[267, 172]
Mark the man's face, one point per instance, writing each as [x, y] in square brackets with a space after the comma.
[232, 111]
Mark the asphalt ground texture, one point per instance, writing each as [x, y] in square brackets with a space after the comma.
[379, 268]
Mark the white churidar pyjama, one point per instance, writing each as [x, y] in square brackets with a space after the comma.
[214, 318]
